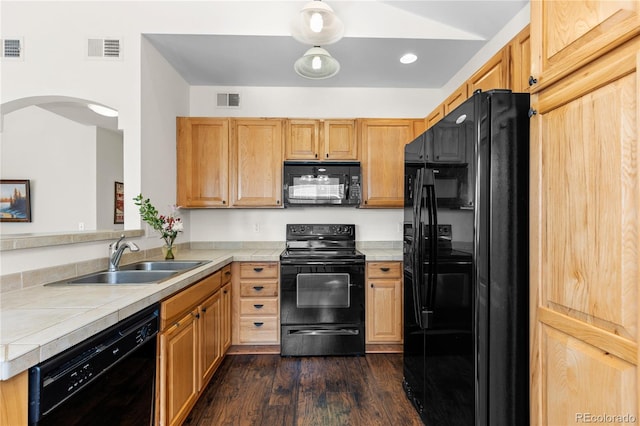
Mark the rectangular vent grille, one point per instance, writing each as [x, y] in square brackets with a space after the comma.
[104, 48]
[228, 100]
[12, 48]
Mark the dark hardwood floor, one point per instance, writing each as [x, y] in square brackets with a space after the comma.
[270, 390]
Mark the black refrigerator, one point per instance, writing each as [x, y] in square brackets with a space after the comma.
[466, 265]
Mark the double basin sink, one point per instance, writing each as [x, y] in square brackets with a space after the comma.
[145, 272]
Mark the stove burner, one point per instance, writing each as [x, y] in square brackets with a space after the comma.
[321, 242]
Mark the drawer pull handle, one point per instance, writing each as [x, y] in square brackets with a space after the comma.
[258, 287]
[258, 306]
[384, 269]
[258, 269]
[258, 324]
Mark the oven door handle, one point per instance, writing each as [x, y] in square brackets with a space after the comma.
[326, 332]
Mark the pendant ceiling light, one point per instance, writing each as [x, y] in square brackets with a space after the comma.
[317, 25]
[317, 64]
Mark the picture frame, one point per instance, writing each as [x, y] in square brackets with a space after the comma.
[118, 204]
[15, 200]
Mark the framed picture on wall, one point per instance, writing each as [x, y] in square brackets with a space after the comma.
[15, 201]
[118, 210]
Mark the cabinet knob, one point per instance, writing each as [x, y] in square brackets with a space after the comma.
[258, 269]
[384, 269]
[204, 309]
[532, 80]
[258, 324]
[315, 155]
[258, 306]
[224, 202]
[326, 155]
[532, 112]
[372, 285]
[258, 287]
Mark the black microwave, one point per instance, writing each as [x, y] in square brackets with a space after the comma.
[321, 184]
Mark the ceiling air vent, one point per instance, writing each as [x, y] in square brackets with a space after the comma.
[109, 48]
[12, 48]
[228, 100]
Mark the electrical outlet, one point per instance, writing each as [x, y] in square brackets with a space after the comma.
[256, 227]
[80, 226]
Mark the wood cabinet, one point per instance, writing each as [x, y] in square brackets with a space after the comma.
[384, 302]
[455, 99]
[202, 162]
[520, 61]
[492, 75]
[256, 313]
[225, 324]
[309, 139]
[435, 116]
[382, 144]
[585, 211]
[256, 162]
[190, 345]
[566, 35]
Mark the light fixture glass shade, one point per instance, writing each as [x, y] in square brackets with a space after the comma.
[317, 64]
[317, 24]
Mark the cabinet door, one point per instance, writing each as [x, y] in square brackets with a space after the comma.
[449, 144]
[585, 240]
[568, 34]
[384, 311]
[210, 336]
[225, 318]
[455, 99]
[256, 167]
[435, 116]
[382, 162]
[302, 139]
[339, 140]
[179, 383]
[521, 61]
[493, 75]
[202, 162]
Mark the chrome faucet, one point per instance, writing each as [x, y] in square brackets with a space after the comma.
[115, 252]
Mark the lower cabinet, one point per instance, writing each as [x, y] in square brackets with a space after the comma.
[195, 333]
[256, 307]
[384, 303]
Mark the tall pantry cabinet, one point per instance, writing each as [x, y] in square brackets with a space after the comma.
[585, 211]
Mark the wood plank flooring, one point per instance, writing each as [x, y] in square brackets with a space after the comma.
[271, 390]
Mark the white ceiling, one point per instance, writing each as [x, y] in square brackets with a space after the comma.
[444, 35]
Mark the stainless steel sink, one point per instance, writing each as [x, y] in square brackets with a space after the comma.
[123, 277]
[163, 265]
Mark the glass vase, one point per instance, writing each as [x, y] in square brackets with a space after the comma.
[169, 251]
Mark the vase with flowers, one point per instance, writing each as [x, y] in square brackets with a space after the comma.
[168, 225]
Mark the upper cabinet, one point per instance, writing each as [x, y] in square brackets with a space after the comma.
[382, 144]
[257, 147]
[435, 116]
[308, 139]
[202, 162]
[569, 34]
[493, 75]
[455, 99]
[520, 61]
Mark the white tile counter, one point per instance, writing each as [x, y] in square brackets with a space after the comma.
[39, 322]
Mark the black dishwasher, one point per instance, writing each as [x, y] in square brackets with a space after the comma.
[108, 379]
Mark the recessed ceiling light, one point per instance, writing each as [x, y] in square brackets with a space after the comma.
[103, 110]
[408, 58]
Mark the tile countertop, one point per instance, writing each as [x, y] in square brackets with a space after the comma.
[39, 322]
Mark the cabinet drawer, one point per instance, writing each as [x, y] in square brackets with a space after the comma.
[267, 288]
[257, 306]
[188, 298]
[259, 270]
[259, 330]
[384, 269]
[226, 274]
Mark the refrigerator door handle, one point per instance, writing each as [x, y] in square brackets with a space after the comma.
[427, 312]
[416, 248]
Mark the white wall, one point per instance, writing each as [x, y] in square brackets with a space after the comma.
[44, 148]
[109, 170]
